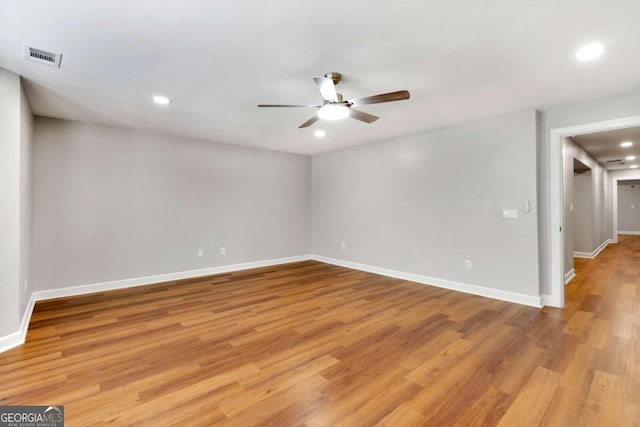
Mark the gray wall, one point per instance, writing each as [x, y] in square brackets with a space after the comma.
[588, 112]
[94, 198]
[624, 174]
[112, 203]
[589, 224]
[583, 214]
[617, 176]
[26, 168]
[423, 204]
[15, 201]
[628, 207]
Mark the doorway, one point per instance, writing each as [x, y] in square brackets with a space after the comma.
[556, 229]
[627, 206]
[578, 197]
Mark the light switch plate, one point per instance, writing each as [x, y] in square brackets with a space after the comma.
[510, 213]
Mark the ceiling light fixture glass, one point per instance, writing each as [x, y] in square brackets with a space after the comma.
[634, 166]
[626, 144]
[333, 112]
[162, 100]
[630, 157]
[319, 133]
[590, 51]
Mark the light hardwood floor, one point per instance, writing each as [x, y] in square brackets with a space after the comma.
[319, 345]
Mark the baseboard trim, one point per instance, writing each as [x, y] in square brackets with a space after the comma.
[569, 275]
[9, 341]
[595, 253]
[159, 278]
[26, 318]
[440, 283]
[546, 300]
[582, 255]
[630, 233]
[17, 338]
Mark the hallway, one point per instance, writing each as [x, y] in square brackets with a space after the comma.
[600, 344]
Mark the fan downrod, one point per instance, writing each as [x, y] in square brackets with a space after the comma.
[336, 77]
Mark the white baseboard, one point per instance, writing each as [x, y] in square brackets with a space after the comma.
[159, 278]
[440, 283]
[17, 338]
[569, 275]
[631, 233]
[546, 300]
[582, 255]
[26, 318]
[10, 341]
[595, 253]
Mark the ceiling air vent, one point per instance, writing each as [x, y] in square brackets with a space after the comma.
[42, 56]
[618, 161]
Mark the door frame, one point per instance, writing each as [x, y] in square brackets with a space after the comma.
[632, 176]
[556, 224]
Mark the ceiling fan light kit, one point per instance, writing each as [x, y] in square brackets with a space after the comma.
[334, 107]
[333, 112]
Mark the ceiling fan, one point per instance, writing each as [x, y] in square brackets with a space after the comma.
[334, 107]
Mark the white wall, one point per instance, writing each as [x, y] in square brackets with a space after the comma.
[423, 204]
[15, 199]
[112, 203]
[628, 207]
[615, 107]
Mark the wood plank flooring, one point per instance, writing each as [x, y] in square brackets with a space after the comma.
[318, 345]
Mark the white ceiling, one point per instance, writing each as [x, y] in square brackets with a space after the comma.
[461, 60]
[605, 147]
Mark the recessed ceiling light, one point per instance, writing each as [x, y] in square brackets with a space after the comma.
[333, 112]
[162, 100]
[319, 133]
[590, 51]
[630, 157]
[626, 144]
[634, 166]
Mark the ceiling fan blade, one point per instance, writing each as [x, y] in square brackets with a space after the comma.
[287, 106]
[383, 97]
[309, 122]
[327, 88]
[362, 116]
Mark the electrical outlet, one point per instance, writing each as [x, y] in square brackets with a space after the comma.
[200, 252]
[468, 264]
[343, 246]
[223, 250]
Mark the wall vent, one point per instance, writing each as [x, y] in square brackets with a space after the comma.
[42, 56]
